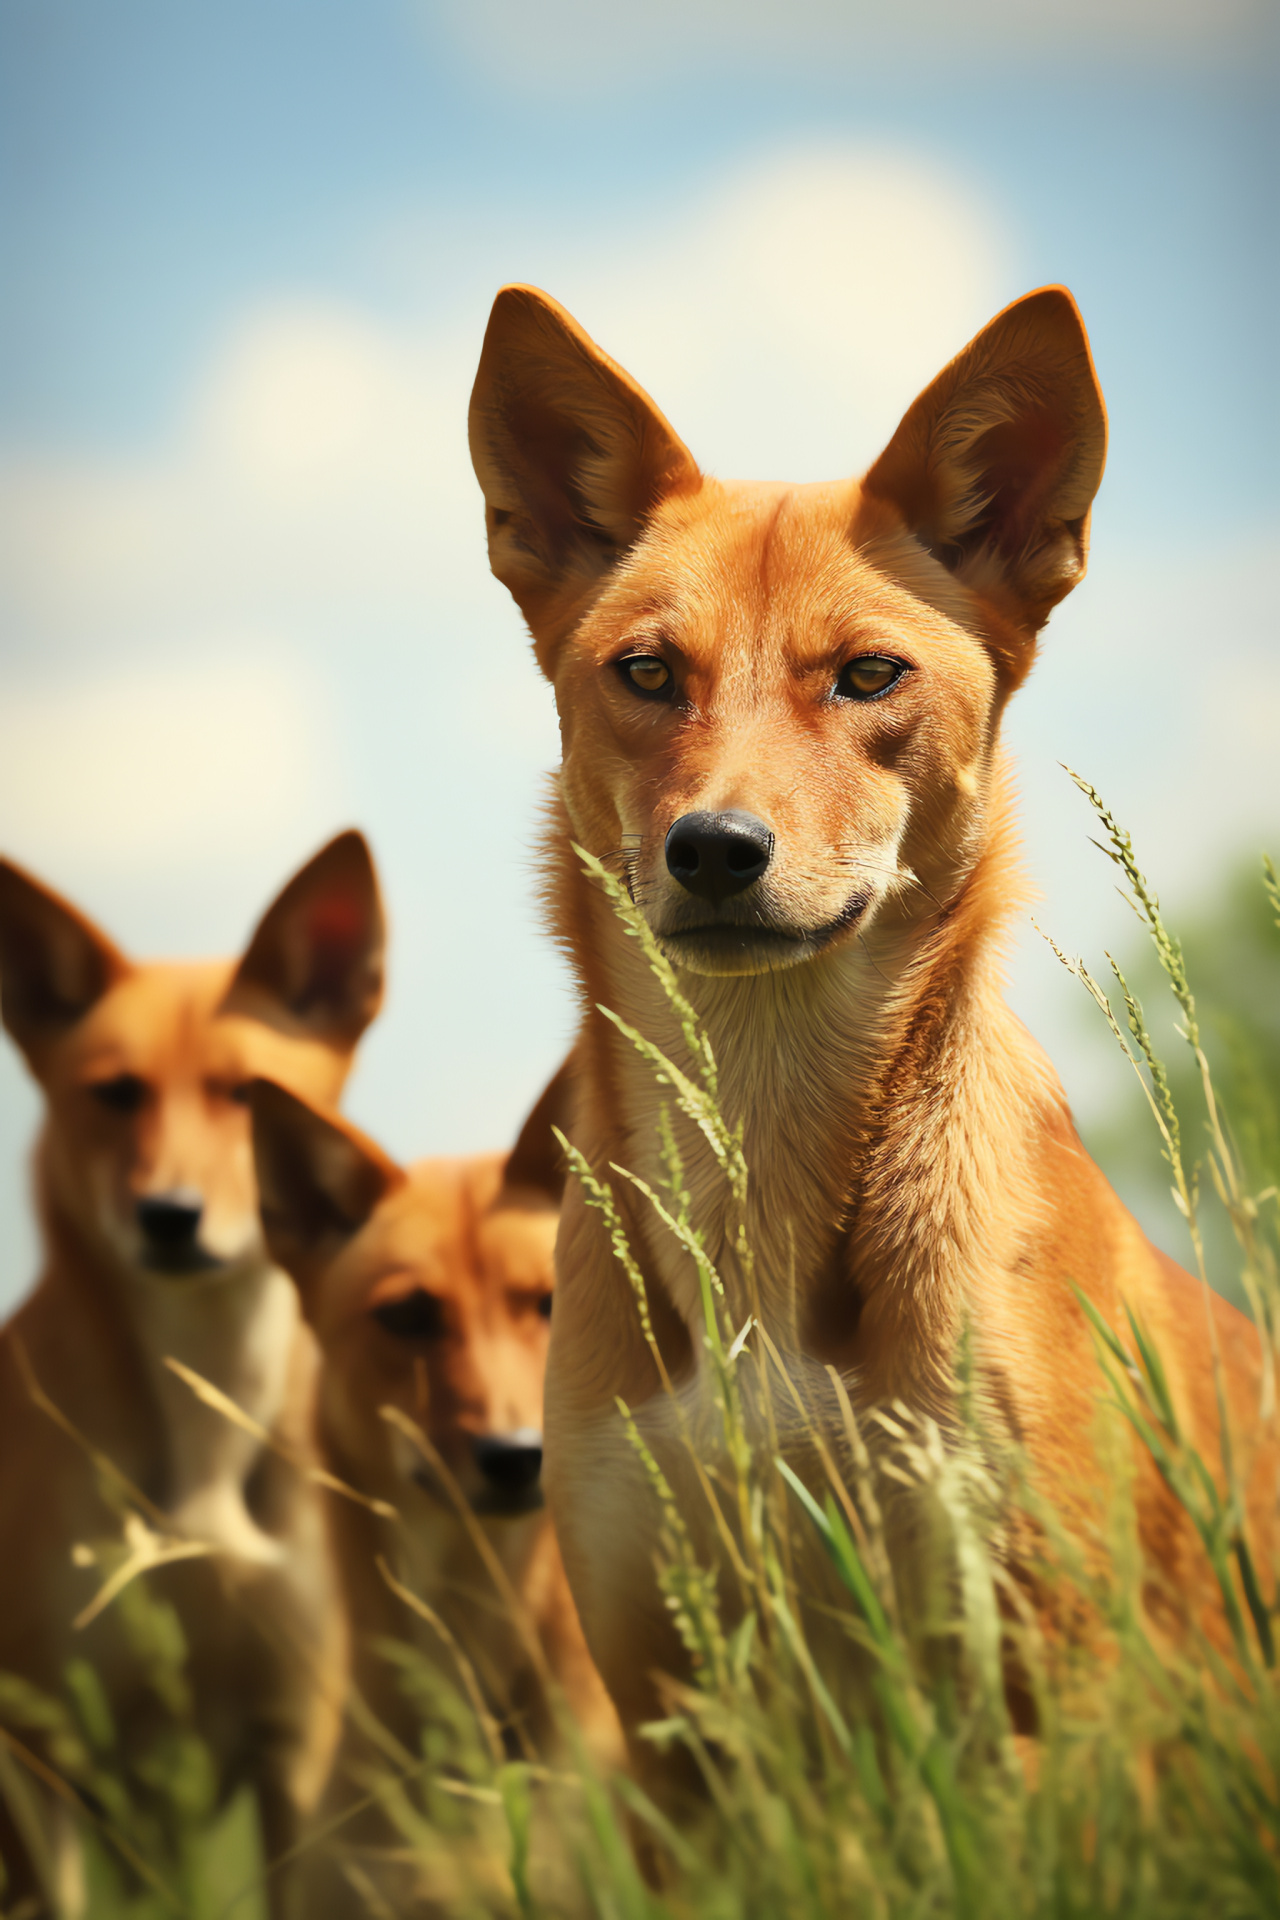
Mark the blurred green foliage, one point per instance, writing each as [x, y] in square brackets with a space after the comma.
[1231, 948]
[156, 1841]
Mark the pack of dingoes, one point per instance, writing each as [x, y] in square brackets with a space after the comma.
[333, 1401]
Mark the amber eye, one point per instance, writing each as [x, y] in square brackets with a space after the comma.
[868, 674]
[126, 1093]
[647, 674]
[415, 1316]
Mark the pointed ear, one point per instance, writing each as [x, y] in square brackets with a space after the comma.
[54, 964]
[536, 1162]
[571, 456]
[316, 959]
[995, 466]
[319, 1179]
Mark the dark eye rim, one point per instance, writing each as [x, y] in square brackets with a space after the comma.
[901, 669]
[663, 693]
[543, 1307]
[121, 1093]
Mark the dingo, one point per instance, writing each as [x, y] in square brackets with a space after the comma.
[429, 1291]
[153, 1249]
[780, 710]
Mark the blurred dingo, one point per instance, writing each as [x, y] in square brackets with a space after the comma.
[154, 1250]
[429, 1290]
[780, 709]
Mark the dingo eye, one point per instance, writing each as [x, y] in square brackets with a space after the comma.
[544, 1306]
[415, 1316]
[646, 673]
[123, 1094]
[867, 675]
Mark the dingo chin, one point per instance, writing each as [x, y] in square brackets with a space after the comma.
[780, 712]
[154, 1252]
[429, 1291]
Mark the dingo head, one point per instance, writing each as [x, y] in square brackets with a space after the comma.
[429, 1289]
[146, 1154]
[779, 703]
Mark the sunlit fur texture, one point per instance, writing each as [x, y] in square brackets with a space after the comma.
[182, 1041]
[476, 1236]
[913, 1162]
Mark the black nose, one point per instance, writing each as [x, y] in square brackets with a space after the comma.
[715, 855]
[170, 1222]
[511, 1464]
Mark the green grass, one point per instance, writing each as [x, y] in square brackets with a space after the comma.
[850, 1726]
[156, 1840]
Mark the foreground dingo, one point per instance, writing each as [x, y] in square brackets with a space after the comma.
[780, 712]
[153, 1249]
[429, 1291]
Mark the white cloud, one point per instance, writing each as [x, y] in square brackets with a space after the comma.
[786, 322]
[783, 320]
[304, 404]
[164, 765]
[319, 455]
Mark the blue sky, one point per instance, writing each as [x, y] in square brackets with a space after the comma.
[249, 252]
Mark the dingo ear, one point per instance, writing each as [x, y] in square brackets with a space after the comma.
[536, 1162]
[54, 964]
[996, 464]
[316, 959]
[571, 455]
[318, 1179]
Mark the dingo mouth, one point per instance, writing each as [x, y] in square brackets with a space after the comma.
[488, 1503]
[490, 1506]
[728, 947]
[181, 1263]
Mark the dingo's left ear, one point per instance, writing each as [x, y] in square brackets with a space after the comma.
[571, 455]
[536, 1163]
[54, 963]
[316, 959]
[995, 466]
[319, 1179]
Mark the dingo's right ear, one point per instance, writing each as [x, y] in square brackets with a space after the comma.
[316, 958]
[319, 1179]
[571, 455]
[54, 964]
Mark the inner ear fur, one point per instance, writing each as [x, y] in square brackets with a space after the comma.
[319, 1179]
[316, 959]
[54, 963]
[571, 455]
[994, 467]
